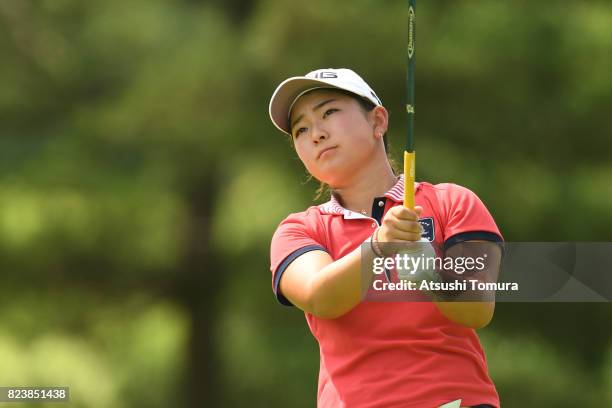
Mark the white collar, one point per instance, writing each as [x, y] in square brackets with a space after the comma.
[396, 193]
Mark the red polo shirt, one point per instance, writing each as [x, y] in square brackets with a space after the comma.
[392, 354]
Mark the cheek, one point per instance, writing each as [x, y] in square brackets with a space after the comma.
[360, 133]
[358, 126]
[302, 153]
[308, 160]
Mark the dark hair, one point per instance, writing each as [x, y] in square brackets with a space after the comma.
[367, 106]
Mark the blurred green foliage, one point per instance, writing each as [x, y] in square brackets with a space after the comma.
[141, 181]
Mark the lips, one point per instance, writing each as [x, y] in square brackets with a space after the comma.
[325, 150]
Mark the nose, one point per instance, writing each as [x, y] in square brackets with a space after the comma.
[318, 134]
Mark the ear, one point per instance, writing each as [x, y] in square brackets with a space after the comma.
[380, 121]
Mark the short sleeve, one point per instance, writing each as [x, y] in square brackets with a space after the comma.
[295, 236]
[466, 217]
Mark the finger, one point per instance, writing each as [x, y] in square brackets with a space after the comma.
[409, 226]
[406, 236]
[404, 213]
[393, 225]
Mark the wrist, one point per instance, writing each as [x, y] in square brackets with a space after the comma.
[375, 245]
[384, 249]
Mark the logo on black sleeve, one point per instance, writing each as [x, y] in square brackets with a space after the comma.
[428, 228]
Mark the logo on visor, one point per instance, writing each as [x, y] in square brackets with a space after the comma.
[325, 75]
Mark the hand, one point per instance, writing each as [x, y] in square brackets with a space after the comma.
[400, 225]
[400, 233]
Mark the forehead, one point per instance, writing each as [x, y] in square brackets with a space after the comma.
[312, 98]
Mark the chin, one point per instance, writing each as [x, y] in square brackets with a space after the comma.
[334, 182]
[333, 174]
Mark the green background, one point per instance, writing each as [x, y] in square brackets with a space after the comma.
[141, 181]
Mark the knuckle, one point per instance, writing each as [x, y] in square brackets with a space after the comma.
[400, 212]
[407, 214]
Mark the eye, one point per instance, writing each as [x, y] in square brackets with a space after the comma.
[298, 132]
[329, 112]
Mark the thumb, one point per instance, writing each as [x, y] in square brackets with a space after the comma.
[418, 209]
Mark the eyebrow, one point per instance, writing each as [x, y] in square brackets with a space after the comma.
[317, 106]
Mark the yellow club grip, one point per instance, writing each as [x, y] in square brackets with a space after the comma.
[409, 158]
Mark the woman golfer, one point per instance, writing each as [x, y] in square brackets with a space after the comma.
[374, 354]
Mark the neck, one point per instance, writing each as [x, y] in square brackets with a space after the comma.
[359, 192]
